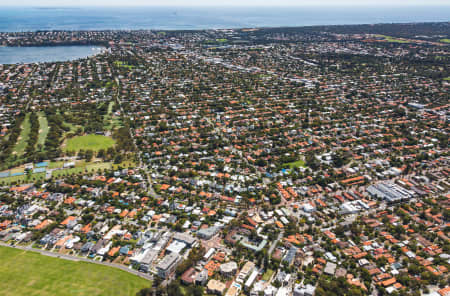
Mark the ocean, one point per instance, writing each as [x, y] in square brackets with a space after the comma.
[18, 19]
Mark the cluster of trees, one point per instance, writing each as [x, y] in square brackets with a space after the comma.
[312, 161]
[7, 144]
[95, 120]
[124, 140]
[340, 158]
[86, 154]
[89, 116]
[337, 287]
[195, 255]
[173, 289]
[33, 136]
[110, 154]
[56, 130]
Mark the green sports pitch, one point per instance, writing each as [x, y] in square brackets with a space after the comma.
[29, 273]
[89, 142]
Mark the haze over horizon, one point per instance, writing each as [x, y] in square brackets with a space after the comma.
[57, 3]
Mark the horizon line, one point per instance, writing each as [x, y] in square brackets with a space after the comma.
[230, 5]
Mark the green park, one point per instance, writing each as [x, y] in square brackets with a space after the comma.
[29, 273]
[89, 142]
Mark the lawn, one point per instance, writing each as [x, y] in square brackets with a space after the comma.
[21, 144]
[445, 40]
[55, 164]
[71, 126]
[124, 164]
[43, 128]
[112, 121]
[110, 107]
[92, 142]
[122, 64]
[296, 164]
[393, 39]
[78, 169]
[29, 273]
[267, 275]
[22, 179]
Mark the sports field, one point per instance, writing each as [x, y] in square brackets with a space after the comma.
[92, 142]
[393, 39]
[29, 273]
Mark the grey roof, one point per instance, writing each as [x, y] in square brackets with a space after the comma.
[149, 257]
[290, 256]
[168, 261]
[186, 238]
[330, 268]
[389, 191]
[210, 231]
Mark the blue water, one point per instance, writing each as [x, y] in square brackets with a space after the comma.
[13, 55]
[104, 18]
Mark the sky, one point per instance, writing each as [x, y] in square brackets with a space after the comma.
[35, 3]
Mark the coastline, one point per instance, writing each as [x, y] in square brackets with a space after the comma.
[41, 56]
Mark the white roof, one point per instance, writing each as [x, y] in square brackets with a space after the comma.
[176, 247]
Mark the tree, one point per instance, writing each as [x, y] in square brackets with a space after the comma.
[173, 289]
[101, 153]
[194, 290]
[88, 155]
[145, 292]
[87, 218]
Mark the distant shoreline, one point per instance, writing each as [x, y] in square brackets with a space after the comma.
[198, 30]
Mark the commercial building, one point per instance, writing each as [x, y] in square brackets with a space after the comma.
[208, 233]
[390, 192]
[168, 265]
[185, 238]
[176, 247]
